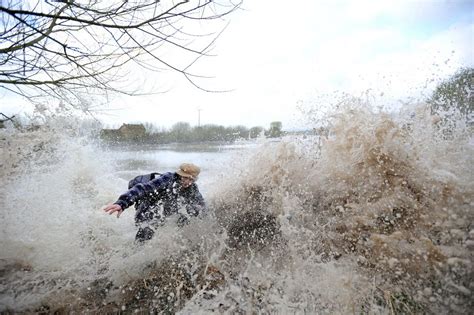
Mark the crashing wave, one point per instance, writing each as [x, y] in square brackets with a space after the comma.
[374, 217]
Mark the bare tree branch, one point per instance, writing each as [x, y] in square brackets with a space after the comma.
[68, 48]
[42, 35]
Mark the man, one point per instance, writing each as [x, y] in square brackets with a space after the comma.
[167, 192]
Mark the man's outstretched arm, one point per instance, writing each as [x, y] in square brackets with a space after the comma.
[136, 193]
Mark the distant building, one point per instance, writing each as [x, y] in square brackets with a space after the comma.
[132, 131]
[125, 132]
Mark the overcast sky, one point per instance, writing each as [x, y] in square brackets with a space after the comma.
[275, 55]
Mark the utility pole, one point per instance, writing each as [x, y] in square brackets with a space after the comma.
[199, 117]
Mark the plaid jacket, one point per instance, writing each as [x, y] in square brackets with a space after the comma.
[165, 190]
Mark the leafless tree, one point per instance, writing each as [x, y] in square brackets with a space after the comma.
[70, 48]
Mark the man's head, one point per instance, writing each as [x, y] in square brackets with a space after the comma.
[188, 173]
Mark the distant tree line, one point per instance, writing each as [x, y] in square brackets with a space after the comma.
[457, 92]
[452, 102]
[183, 132]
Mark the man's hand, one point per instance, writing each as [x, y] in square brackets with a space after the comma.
[114, 208]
